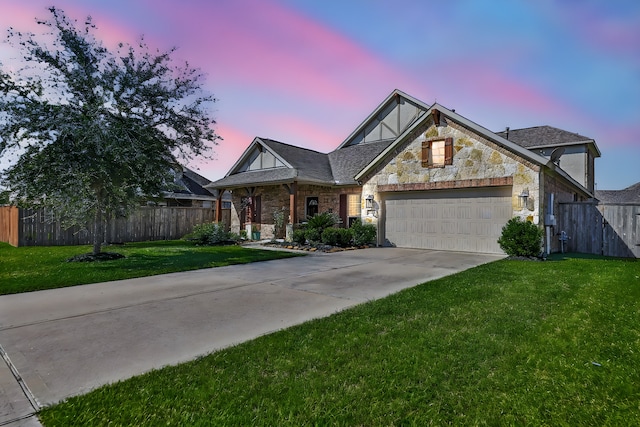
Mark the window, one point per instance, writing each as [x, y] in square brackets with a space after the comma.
[354, 205]
[437, 153]
[311, 206]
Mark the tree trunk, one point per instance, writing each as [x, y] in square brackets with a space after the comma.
[97, 231]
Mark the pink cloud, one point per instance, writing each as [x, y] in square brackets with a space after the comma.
[262, 43]
[609, 28]
[225, 154]
[300, 132]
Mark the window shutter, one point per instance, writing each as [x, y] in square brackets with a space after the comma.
[448, 151]
[257, 209]
[343, 210]
[425, 154]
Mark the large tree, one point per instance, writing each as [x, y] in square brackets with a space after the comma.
[94, 129]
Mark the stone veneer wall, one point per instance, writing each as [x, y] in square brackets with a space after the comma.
[474, 159]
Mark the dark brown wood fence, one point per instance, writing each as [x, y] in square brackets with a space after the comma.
[27, 227]
[602, 229]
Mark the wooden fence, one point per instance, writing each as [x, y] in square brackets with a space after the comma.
[27, 227]
[602, 229]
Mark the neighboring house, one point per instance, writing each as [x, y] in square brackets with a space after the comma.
[629, 195]
[189, 190]
[426, 176]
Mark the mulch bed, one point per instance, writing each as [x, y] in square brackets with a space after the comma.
[102, 256]
[313, 248]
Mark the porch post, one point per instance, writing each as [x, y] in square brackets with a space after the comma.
[293, 199]
[219, 205]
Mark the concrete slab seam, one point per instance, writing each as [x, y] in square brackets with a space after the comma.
[33, 401]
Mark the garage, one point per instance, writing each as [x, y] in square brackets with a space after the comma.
[467, 220]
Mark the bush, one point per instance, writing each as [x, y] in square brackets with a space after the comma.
[299, 236]
[209, 234]
[313, 235]
[322, 221]
[337, 236]
[521, 238]
[363, 234]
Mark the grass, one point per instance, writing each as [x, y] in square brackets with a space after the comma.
[507, 343]
[28, 269]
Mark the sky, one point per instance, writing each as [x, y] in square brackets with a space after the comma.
[308, 72]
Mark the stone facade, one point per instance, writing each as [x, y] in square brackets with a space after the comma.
[477, 162]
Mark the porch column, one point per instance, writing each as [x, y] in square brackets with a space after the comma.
[293, 199]
[219, 205]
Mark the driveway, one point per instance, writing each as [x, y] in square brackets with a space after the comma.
[64, 342]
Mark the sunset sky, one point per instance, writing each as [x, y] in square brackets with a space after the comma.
[308, 72]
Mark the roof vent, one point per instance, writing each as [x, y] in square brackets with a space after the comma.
[506, 131]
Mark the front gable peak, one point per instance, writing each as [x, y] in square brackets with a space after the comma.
[259, 156]
[388, 121]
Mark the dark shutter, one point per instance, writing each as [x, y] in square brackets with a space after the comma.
[343, 210]
[257, 209]
[425, 154]
[448, 151]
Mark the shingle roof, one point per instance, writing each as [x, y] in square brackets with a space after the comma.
[628, 195]
[275, 175]
[348, 161]
[192, 183]
[309, 164]
[542, 136]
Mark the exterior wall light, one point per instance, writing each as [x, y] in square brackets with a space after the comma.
[369, 201]
[523, 198]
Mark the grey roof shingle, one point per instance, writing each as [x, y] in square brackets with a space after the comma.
[309, 164]
[193, 183]
[348, 161]
[542, 136]
[628, 195]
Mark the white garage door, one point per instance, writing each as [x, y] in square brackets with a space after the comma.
[452, 220]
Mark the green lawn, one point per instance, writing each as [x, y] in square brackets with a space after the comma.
[34, 268]
[552, 343]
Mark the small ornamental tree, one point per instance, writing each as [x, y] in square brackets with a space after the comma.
[521, 238]
[94, 131]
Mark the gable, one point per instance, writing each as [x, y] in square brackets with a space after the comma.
[259, 158]
[394, 116]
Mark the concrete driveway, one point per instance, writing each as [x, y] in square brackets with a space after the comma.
[65, 342]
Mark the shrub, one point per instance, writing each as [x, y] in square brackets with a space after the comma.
[299, 236]
[521, 238]
[209, 234]
[337, 236]
[279, 217]
[330, 236]
[313, 235]
[363, 234]
[345, 236]
[322, 221]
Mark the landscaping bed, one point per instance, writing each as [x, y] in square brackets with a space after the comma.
[313, 248]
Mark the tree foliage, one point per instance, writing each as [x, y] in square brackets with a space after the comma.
[95, 130]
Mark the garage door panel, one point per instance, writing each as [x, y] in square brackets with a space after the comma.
[456, 220]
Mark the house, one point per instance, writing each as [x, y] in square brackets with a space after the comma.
[424, 175]
[188, 190]
[629, 195]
